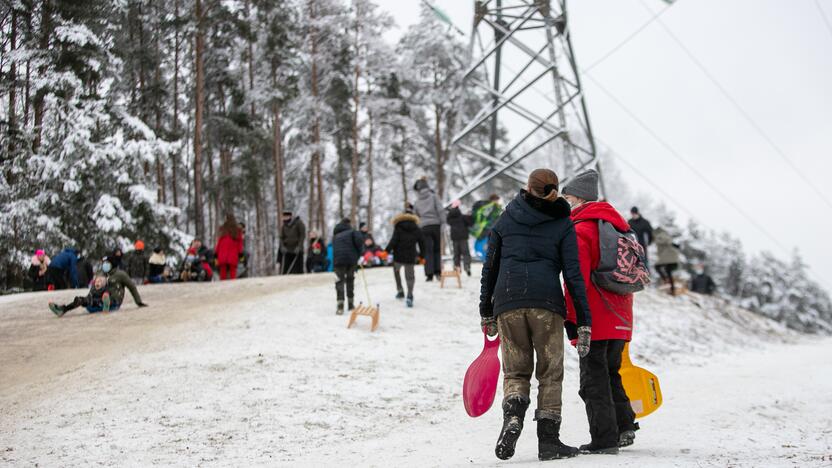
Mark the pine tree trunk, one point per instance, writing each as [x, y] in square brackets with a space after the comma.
[157, 79]
[440, 156]
[277, 151]
[370, 175]
[27, 92]
[316, 194]
[199, 221]
[403, 172]
[356, 101]
[174, 155]
[12, 85]
[40, 94]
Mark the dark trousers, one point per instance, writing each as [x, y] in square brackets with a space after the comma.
[92, 305]
[433, 250]
[409, 277]
[346, 279]
[462, 256]
[607, 406]
[291, 263]
[666, 272]
[56, 277]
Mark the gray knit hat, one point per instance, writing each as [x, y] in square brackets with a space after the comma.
[583, 185]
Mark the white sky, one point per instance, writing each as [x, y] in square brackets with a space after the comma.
[774, 57]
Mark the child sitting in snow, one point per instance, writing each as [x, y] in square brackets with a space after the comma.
[97, 300]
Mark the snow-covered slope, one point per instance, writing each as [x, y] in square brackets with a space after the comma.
[261, 372]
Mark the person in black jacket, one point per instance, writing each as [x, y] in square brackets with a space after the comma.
[406, 245]
[701, 282]
[347, 246]
[521, 298]
[460, 224]
[642, 228]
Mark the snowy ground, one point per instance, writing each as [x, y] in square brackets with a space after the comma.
[261, 372]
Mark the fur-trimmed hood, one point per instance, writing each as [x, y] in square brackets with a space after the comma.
[406, 217]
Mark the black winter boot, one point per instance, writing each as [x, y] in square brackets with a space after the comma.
[549, 446]
[514, 411]
[594, 448]
[340, 309]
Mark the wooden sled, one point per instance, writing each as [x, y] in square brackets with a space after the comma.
[372, 312]
[450, 274]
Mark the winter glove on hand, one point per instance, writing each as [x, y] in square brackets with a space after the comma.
[489, 324]
[584, 338]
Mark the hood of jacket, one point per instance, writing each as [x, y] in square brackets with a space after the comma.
[341, 227]
[407, 226]
[603, 211]
[425, 193]
[531, 211]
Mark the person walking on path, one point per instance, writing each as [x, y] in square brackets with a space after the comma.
[229, 247]
[431, 215]
[347, 246]
[292, 237]
[137, 263]
[611, 419]
[406, 245]
[668, 257]
[642, 228]
[521, 298]
[460, 224]
[63, 266]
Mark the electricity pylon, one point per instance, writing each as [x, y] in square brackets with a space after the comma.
[521, 58]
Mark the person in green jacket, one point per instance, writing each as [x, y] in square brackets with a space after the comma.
[106, 293]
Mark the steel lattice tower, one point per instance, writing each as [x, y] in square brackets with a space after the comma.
[533, 110]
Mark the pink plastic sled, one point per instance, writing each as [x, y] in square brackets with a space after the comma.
[480, 384]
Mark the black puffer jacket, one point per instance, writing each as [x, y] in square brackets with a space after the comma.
[406, 238]
[459, 224]
[531, 244]
[347, 245]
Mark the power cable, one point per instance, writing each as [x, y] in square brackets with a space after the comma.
[741, 110]
[630, 37]
[824, 17]
[685, 162]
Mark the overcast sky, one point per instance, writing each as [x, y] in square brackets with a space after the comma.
[774, 57]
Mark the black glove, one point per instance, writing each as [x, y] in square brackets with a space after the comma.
[489, 324]
[584, 339]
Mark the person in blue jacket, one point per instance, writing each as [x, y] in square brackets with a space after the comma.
[63, 266]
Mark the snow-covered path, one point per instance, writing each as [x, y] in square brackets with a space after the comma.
[261, 372]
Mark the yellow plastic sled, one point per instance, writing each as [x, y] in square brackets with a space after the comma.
[641, 385]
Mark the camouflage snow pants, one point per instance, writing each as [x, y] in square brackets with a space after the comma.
[524, 333]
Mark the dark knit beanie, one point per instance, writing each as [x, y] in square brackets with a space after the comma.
[583, 185]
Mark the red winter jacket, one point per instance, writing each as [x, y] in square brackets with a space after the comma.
[612, 314]
[228, 250]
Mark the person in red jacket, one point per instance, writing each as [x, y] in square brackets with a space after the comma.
[229, 247]
[611, 418]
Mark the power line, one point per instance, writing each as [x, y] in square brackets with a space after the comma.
[824, 17]
[687, 164]
[742, 110]
[630, 37]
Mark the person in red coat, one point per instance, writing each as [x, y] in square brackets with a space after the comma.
[229, 247]
[611, 418]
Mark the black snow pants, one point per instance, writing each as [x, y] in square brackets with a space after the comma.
[462, 255]
[607, 406]
[433, 250]
[409, 277]
[346, 278]
[56, 277]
